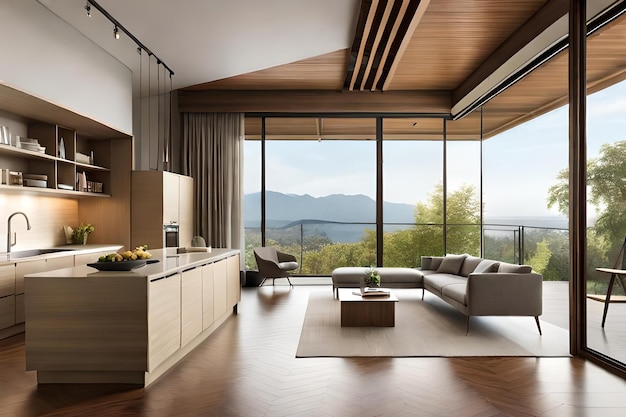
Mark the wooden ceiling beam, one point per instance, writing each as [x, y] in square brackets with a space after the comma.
[416, 17]
[314, 101]
[368, 8]
[376, 42]
[394, 33]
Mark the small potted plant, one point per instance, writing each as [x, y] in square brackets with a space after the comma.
[372, 278]
[81, 233]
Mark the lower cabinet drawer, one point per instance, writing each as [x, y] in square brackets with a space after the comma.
[20, 317]
[7, 311]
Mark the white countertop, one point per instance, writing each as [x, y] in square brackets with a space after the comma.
[68, 250]
[169, 263]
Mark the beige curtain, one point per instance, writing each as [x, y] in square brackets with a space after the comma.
[212, 153]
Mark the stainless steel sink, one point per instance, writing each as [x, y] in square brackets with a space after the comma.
[32, 252]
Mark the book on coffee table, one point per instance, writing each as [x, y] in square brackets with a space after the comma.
[373, 292]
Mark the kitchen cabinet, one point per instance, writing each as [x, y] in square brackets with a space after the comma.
[208, 297]
[163, 318]
[7, 296]
[33, 118]
[233, 280]
[62, 169]
[191, 305]
[161, 198]
[32, 267]
[127, 327]
[220, 289]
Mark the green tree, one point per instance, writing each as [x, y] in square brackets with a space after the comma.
[541, 258]
[606, 182]
[462, 209]
[606, 176]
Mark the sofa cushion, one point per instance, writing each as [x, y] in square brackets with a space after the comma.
[430, 263]
[514, 269]
[435, 282]
[469, 265]
[451, 264]
[458, 292]
[487, 265]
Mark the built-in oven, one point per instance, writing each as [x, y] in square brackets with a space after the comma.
[170, 236]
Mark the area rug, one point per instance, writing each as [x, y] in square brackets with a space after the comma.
[424, 328]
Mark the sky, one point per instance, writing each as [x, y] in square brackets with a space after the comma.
[519, 165]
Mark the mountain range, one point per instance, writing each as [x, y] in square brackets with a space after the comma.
[282, 209]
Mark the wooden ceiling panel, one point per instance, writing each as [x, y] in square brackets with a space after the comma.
[454, 37]
[324, 72]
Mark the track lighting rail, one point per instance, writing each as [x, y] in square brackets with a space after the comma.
[119, 26]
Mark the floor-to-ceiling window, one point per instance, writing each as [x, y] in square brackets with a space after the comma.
[606, 213]
[320, 191]
[463, 184]
[412, 190]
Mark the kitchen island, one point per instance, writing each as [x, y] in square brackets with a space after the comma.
[90, 326]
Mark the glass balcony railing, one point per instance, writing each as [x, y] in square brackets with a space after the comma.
[322, 246]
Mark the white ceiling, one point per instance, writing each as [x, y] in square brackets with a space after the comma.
[207, 40]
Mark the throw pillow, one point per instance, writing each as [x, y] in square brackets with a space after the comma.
[434, 264]
[514, 269]
[426, 263]
[469, 265]
[451, 264]
[487, 265]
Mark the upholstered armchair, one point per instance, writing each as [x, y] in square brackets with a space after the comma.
[274, 264]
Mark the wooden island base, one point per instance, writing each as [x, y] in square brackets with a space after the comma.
[88, 326]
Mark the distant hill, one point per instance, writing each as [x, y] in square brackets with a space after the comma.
[283, 209]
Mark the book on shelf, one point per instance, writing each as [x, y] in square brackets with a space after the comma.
[373, 292]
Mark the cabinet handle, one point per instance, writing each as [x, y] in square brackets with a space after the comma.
[165, 277]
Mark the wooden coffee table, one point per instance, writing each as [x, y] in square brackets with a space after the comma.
[357, 311]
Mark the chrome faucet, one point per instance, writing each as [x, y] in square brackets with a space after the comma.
[12, 242]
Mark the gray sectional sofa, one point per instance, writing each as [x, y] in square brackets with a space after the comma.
[472, 285]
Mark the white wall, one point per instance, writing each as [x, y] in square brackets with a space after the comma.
[43, 56]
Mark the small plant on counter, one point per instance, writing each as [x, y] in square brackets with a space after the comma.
[81, 232]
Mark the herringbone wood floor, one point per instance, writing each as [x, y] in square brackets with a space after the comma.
[248, 368]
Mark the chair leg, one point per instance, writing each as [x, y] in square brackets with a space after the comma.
[607, 301]
[261, 284]
[538, 325]
[467, 327]
[290, 284]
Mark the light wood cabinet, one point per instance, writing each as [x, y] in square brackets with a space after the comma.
[161, 198]
[127, 327]
[32, 267]
[220, 289]
[7, 280]
[163, 319]
[61, 168]
[208, 297]
[191, 305]
[7, 311]
[234, 281]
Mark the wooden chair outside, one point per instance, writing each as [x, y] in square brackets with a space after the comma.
[618, 272]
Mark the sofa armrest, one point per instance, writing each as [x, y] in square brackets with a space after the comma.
[505, 294]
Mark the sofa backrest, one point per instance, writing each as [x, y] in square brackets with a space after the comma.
[474, 264]
[469, 265]
[514, 268]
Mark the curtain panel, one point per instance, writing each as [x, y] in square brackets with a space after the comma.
[212, 154]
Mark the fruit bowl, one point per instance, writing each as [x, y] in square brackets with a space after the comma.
[121, 265]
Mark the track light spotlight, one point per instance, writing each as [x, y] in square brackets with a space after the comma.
[116, 33]
[88, 8]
